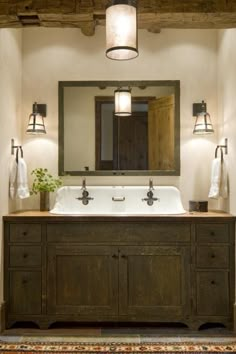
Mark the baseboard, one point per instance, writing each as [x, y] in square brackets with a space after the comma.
[2, 317]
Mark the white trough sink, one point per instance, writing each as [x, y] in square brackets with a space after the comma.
[118, 200]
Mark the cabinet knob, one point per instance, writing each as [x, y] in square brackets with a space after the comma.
[123, 256]
[115, 256]
[25, 233]
[24, 281]
[25, 255]
[213, 255]
[213, 282]
[212, 233]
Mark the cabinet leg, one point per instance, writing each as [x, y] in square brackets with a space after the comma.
[194, 326]
[44, 324]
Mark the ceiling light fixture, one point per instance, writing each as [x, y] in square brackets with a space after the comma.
[121, 30]
[122, 102]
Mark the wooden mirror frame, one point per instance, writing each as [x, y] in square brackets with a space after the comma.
[173, 83]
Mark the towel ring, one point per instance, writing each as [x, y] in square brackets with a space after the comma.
[221, 152]
[17, 153]
[225, 147]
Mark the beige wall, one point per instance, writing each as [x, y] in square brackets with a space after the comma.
[50, 55]
[226, 102]
[10, 114]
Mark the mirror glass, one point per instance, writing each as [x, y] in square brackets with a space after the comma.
[95, 141]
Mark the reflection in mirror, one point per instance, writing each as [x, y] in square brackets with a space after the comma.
[95, 141]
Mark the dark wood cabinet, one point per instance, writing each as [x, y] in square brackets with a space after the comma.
[132, 269]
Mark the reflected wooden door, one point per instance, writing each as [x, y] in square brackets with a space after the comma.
[130, 142]
[161, 129]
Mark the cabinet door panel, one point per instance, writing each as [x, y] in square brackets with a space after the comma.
[82, 280]
[25, 292]
[213, 293]
[154, 282]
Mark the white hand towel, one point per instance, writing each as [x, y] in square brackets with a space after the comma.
[224, 181]
[12, 177]
[22, 180]
[215, 178]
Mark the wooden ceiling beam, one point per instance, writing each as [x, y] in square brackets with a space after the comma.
[87, 14]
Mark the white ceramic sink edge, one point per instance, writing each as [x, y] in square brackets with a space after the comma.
[118, 201]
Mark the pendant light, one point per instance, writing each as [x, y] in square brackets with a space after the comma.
[203, 123]
[36, 119]
[122, 102]
[121, 30]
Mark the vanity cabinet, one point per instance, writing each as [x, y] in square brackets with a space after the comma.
[121, 269]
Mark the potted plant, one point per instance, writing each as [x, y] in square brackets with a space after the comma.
[44, 183]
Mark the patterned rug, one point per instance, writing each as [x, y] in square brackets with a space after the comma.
[111, 348]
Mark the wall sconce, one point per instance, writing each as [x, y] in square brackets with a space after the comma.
[36, 119]
[122, 102]
[121, 30]
[203, 123]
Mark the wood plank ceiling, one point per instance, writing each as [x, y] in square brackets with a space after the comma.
[87, 14]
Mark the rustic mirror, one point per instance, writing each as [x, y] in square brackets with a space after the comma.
[95, 141]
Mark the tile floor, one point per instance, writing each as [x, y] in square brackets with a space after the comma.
[118, 334]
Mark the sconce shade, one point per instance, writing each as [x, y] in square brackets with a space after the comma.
[36, 120]
[122, 102]
[203, 123]
[121, 30]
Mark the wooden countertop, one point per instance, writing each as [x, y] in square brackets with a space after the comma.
[45, 215]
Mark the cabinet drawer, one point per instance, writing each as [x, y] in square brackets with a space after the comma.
[25, 256]
[215, 233]
[126, 232]
[212, 256]
[212, 293]
[25, 233]
[25, 292]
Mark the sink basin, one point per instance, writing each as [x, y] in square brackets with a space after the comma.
[118, 200]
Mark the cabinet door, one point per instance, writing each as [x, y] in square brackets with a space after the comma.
[83, 280]
[154, 283]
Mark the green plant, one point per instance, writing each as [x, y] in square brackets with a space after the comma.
[44, 181]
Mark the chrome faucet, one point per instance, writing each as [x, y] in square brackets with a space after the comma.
[151, 184]
[85, 194]
[150, 199]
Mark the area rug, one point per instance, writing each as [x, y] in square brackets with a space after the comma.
[121, 348]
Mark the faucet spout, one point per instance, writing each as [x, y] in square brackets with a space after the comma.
[84, 183]
[151, 184]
